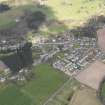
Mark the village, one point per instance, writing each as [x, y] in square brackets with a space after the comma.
[52, 52]
[68, 53]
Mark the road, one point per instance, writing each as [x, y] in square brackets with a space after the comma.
[57, 43]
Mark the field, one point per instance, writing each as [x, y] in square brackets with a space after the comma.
[75, 9]
[93, 75]
[103, 91]
[85, 96]
[13, 96]
[74, 93]
[7, 19]
[64, 95]
[36, 92]
[72, 13]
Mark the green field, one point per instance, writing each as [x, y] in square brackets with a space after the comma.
[37, 91]
[7, 19]
[13, 96]
[64, 96]
[71, 9]
[76, 11]
[103, 90]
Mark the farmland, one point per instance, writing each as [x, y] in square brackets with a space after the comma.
[35, 92]
[89, 77]
[69, 12]
[86, 94]
[13, 96]
[77, 10]
[65, 94]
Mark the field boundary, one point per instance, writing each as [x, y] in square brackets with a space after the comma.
[58, 90]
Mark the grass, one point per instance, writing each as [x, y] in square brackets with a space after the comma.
[60, 54]
[13, 96]
[69, 9]
[103, 91]
[6, 23]
[78, 11]
[7, 19]
[47, 80]
[64, 96]
[73, 93]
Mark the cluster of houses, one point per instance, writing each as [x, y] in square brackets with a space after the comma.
[78, 53]
[4, 45]
[6, 74]
[81, 52]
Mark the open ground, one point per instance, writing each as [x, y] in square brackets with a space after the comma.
[85, 96]
[93, 75]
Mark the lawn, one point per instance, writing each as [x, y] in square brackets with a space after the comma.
[47, 80]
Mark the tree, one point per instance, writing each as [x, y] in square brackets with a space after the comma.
[4, 7]
[35, 19]
[25, 54]
[21, 59]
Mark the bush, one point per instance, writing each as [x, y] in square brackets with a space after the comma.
[35, 19]
[4, 7]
